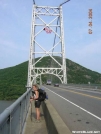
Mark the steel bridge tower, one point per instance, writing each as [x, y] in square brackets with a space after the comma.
[52, 26]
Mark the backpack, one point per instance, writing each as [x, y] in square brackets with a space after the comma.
[42, 94]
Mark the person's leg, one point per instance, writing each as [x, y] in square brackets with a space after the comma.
[37, 108]
[38, 113]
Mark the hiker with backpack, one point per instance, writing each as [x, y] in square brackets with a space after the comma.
[38, 95]
[37, 102]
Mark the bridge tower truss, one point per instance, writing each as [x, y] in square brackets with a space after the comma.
[50, 27]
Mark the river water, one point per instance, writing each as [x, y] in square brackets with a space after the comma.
[4, 105]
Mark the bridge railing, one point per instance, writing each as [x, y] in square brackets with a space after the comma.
[89, 86]
[13, 118]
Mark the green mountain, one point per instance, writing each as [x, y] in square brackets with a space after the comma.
[14, 79]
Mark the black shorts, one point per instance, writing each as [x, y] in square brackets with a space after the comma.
[37, 104]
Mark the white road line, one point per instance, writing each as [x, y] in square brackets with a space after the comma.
[75, 104]
[83, 90]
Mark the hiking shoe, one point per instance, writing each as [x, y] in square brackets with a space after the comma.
[37, 121]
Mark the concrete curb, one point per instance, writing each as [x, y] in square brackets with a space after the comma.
[55, 124]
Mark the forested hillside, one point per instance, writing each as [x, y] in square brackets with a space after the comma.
[13, 79]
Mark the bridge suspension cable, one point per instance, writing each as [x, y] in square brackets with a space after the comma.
[64, 2]
[60, 4]
[33, 1]
[53, 46]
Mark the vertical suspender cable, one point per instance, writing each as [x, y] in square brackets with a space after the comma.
[53, 46]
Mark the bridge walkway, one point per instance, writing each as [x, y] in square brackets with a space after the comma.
[31, 126]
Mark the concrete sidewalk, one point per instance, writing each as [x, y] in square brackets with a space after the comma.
[31, 126]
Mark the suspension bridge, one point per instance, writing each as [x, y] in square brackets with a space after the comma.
[46, 19]
[70, 108]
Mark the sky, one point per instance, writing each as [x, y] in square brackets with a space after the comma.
[80, 46]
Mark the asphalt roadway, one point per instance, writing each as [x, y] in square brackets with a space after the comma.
[79, 109]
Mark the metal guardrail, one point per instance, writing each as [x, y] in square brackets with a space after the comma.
[13, 118]
[89, 86]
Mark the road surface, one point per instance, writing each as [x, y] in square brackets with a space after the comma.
[79, 109]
